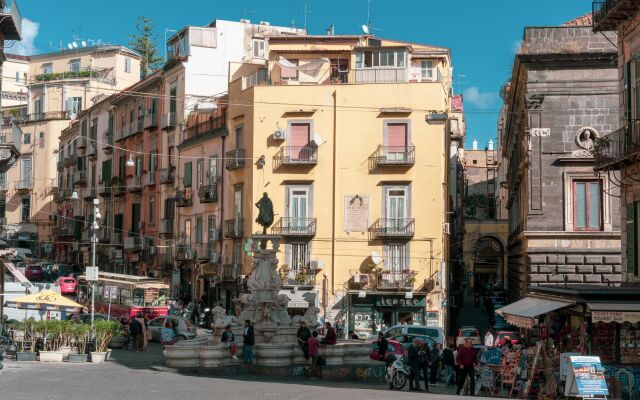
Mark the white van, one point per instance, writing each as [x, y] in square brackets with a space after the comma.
[436, 333]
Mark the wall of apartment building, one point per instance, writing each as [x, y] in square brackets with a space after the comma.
[14, 81]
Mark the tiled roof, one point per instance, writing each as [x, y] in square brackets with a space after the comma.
[583, 20]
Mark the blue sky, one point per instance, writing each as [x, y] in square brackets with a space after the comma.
[482, 34]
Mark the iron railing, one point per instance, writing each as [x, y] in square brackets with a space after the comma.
[185, 252]
[208, 193]
[167, 175]
[132, 243]
[298, 278]
[213, 124]
[184, 198]
[24, 184]
[11, 27]
[292, 226]
[150, 178]
[230, 272]
[80, 177]
[611, 150]
[395, 280]
[233, 228]
[381, 75]
[134, 183]
[296, 155]
[234, 159]
[389, 156]
[44, 116]
[150, 121]
[392, 228]
[607, 14]
[104, 189]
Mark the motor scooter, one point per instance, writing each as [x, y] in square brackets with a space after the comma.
[397, 373]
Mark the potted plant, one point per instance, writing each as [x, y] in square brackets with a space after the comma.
[103, 332]
[51, 333]
[27, 346]
[65, 337]
[79, 339]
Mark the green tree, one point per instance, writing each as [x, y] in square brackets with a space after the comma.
[144, 41]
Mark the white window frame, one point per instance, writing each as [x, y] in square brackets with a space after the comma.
[127, 64]
[259, 48]
[74, 62]
[427, 70]
[569, 177]
[47, 68]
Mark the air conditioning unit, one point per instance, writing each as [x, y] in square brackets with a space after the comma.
[279, 135]
[446, 228]
[316, 264]
[214, 234]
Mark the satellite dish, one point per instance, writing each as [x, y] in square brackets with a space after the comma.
[84, 44]
[75, 45]
[317, 139]
[375, 257]
[69, 46]
[365, 29]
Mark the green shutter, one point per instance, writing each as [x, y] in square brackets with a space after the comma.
[187, 174]
[631, 250]
[106, 171]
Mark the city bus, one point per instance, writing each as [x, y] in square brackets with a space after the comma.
[125, 295]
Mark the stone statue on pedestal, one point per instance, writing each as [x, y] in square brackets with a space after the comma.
[265, 214]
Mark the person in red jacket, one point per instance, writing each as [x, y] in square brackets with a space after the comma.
[467, 360]
[330, 337]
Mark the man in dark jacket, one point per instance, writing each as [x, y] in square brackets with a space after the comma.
[435, 363]
[135, 330]
[383, 346]
[466, 360]
[303, 336]
[449, 365]
[249, 340]
[413, 359]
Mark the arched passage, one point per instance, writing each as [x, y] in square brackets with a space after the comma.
[487, 255]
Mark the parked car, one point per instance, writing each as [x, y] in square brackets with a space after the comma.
[501, 338]
[468, 332]
[34, 272]
[395, 348]
[436, 333]
[406, 340]
[185, 329]
[67, 285]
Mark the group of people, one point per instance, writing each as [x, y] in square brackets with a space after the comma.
[310, 343]
[228, 341]
[138, 335]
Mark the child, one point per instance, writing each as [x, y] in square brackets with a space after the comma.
[228, 341]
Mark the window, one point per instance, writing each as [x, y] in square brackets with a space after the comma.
[173, 93]
[475, 162]
[74, 104]
[138, 297]
[239, 137]
[211, 224]
[127, 64]
[236, 255]
[199, 230]
[396, 260]
[41, 139]
[37, 106]
[200, 172]
[212, 173]
[3, 206]
[298, 257]
[74, 65]
[632, 228]
[25, 211]
[47, 68]
[186, 180]
[26, 138]
[381, 58]
[396, 140]
[25, 170]
[152, 209]
[298, 203]
[258, 48]
[397, 210]
[17, 77]
[289, 73]
[426, 69]
[587, 205]
[187, 231]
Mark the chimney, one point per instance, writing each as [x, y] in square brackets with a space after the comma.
[490, 144]
[475, 145]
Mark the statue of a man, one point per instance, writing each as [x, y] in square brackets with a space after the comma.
[265, 216]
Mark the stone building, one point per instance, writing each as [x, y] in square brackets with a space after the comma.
[564, 221]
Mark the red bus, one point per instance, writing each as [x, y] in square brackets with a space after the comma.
[128, 295]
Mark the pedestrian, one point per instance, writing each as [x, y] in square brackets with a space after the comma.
[340, 328]
[330, 337]
[383, 346]
[435, 363]
[228, 341]
[249, 339]
[449, 363]
[143, 337]
[167, 335]
[467, 360]
[488, 339]
[314, 352]
[135, 330]
[303, 334]
[424, 359]
[413, 359]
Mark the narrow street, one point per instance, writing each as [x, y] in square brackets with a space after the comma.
[470, 315]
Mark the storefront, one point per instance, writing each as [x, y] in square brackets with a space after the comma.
[372, 311]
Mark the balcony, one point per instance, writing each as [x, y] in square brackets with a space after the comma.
[151, 121]
[234, 159]
[608, 14]
[62, 230]
[213, 124]
[100, 74]
[137, 126]
[70, 161]
[82, 142]
[615, 150]
[60, 165]
[107, 146]
[92, 151]
[24, 186]
[287, 226]
[118, 187]
[89, 193]
[230, 272]
[150, 178]
[184, 198]
[104, 189]
[295, 278]
[45, 116]
[392, 156]
[132, 244]
[381, 75]
[167, 175]
[208, 193]
[233, 228]
[392, 228]
[134, 184]
[396, 280]
[294, 156]
[80, 178]
[168, 121]
[166, 227]
[117, 238]
[185, 253]
[11, 21]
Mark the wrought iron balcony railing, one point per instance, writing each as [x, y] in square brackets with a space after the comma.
[396, 280]
[104, 189]
[11, 22]
[185, 252]
[134, 183]
[288, 226]
[167, 175]
[213, 124]
[611, 151]
[184, 198]
[150, 178]
[208, 193]
[296, 278]
[234, 159]
[608, 14]
[150, 121]
[381, 75]
[392, 228]
[390, 156]
[233, 228]
[296, 155]
[24, 185]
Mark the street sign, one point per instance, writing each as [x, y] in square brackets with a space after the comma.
[92, 274]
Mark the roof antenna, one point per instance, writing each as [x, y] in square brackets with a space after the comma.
[306, 11]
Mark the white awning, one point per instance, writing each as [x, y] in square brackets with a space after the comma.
[523, 312]
[615, 312]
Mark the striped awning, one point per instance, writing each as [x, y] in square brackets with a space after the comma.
[523, 312]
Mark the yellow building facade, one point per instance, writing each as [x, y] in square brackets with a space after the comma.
[348, 137]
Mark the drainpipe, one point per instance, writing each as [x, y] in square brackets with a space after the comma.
[222, 190]
[333, 197]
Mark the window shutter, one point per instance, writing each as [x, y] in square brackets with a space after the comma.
[106, 171]
[187, 174]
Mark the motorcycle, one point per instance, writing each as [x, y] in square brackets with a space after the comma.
[397, 373]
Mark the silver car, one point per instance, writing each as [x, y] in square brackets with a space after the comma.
[184, 331]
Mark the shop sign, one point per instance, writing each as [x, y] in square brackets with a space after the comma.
[586, 377]
[386, 301]
[615, 316]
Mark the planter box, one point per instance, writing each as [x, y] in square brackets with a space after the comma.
[26, 356]
[78, 358]
[66, 350]
[51, 356]
[98, 357]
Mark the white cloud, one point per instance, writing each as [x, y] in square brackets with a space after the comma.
[474, 96]
[26, 46]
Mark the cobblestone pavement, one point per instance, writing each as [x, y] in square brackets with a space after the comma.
[130, 375]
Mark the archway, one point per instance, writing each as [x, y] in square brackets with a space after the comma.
[487, 255]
